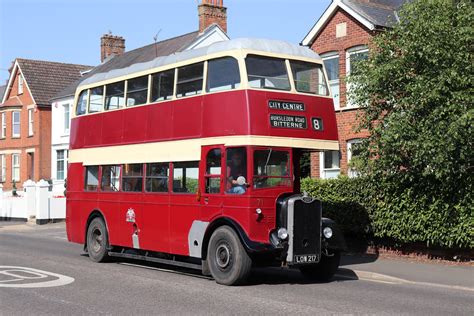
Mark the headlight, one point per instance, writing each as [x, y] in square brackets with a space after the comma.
[282, 233]
[327, 232]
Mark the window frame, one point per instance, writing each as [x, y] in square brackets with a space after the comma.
[323, 169]
[3, 133]
[122, 172]
[351, 173]
[21, 83]
[16, 167]
[290, 168]
[119, 106]
[98, 178]
[18, 123]
[349, 52]
[146, 177]
[202, 79]
[101, 175]
[128, 91]
[3, 168]
[291, 87]
[64, 161]
[219, 176]
[66, 119]
[31, 122]
[234, 86]
[331, 83]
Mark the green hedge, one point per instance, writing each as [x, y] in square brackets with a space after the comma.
[368, 208]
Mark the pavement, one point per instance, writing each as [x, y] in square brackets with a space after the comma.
[74, 285]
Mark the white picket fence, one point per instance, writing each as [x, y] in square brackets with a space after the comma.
[36, 202]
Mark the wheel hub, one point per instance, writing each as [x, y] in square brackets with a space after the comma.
[223, 256]
[96, 240]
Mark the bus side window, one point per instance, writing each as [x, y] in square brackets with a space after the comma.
[81, 107]
[137, 91]
[213, 171]
[96, 99]
[190, 80]
[185, 177]
[236, 167]
[162, 85]
[222, 74]
[110, 180]
[132, 177]
[114, 95]
[92, 178]
[157, 175]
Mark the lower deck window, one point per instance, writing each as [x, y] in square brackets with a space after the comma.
[157, 175]
[185, 177]
[110, 178]
[92, 178]
[132, 178]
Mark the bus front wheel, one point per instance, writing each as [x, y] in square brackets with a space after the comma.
[97, 240]
[228, 261]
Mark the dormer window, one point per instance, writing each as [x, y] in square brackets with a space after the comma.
[20, 84]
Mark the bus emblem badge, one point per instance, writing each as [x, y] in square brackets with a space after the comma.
[130, 217]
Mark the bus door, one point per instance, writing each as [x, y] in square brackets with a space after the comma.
[212, 179]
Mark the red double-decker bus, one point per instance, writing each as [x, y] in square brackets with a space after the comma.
[193, 159]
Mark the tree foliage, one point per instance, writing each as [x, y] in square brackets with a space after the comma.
[416, 97]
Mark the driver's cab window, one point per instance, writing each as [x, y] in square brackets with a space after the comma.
[213, 171]
[236, 170]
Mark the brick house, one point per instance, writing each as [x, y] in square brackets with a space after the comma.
[341, 36]
[212, 16]
[25, 118]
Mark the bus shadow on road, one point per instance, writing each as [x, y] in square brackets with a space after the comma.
[276, 276]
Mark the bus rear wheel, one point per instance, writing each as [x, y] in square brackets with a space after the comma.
[228, 261]
[97, 240]
[325, 269]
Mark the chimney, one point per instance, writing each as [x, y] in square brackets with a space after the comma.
[212, 12]
[111, 45]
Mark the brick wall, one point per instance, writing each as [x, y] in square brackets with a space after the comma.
[35, 151]
[325, 42]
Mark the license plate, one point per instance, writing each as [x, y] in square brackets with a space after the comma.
[305, 259]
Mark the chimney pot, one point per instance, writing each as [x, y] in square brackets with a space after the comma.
[111, 45]
[212, 12]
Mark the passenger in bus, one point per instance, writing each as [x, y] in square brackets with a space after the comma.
[235, 169]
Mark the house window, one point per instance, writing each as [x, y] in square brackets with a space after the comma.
[3, 168]
[353, 57]
[353, 150]
[20, 84]
[331, 62]
[16, 124]
[61, 163]
[30, 122]
[329, 164]
[16, 167]
[67, 119]
[4, 125]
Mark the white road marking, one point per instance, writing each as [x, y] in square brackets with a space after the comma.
[34, 276]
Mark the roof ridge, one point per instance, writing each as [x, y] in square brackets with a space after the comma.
[163, 41]
[51, 62]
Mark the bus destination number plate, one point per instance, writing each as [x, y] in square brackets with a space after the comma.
[317, 123]
[305, 259]
[286, 105]
[288, 121]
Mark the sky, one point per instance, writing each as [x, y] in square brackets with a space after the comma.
[69, 30]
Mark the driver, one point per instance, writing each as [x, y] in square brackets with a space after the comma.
[235, 170]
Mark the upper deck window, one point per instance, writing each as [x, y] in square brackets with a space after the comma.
[137, 91]
[309, 77]
[82, 103]
[190, 80]
[222, 74]
[266, 72]
[96, 99]
[114, 95]
[162, 85]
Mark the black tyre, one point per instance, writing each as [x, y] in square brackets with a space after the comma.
[228, 261]
[325, 269]
[97, 240]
